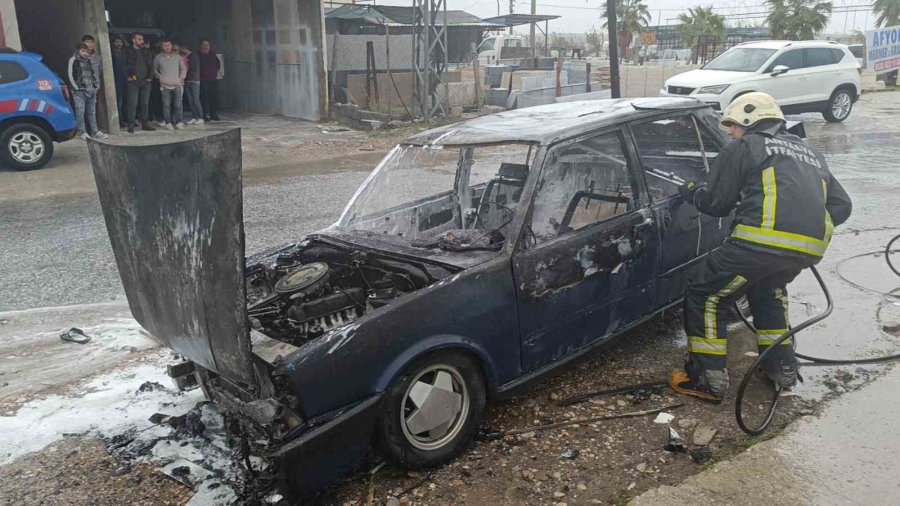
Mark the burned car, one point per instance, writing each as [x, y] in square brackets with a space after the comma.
[475, 258]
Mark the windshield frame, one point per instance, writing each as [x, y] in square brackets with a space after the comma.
[461, 189]
[772, 53]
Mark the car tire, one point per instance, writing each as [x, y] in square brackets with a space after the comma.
[452, 385]
[839, 106]
[25, 147]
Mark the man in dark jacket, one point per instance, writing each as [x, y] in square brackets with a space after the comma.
[121, 77]
[209, 84]
[139, 69]
[84, 92]
[192, 86]
[788, 203]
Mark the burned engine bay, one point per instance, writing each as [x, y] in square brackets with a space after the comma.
[309, 289]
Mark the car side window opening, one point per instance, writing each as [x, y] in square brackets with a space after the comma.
[792, 59]
[496, 178]
[674, 146]
[11, 72]
[818, 56]
[581, 184]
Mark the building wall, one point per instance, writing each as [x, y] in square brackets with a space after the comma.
[348, 52]
[275, 57]
[9, 25]
[52, 28]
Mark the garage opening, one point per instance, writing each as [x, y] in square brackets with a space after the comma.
[272, 50]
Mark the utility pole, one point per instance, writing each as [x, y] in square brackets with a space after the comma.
[531, 34]
[613, 48]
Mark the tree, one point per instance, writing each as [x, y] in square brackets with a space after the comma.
[700, 22]
[888, 12]
[632, 16]
[594, 41]
[797, 19]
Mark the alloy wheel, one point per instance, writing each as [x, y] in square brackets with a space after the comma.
[435, 407]
[840, 108]
[26, 147]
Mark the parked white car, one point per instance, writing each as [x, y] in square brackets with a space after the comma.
[806, 76]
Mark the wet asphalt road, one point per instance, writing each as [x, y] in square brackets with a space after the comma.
[55, 250]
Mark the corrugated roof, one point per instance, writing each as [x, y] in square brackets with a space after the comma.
[401, 16]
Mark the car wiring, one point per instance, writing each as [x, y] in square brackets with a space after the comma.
[738, 408]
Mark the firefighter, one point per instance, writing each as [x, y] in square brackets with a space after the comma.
[787, 204]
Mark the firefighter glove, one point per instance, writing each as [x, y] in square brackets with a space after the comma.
[687, 191]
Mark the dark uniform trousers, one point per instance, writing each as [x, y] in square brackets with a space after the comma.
[729, 272]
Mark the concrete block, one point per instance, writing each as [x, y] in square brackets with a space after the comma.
[496, 97]
[461, 94]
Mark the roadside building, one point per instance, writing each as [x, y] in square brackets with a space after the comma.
[272, 51]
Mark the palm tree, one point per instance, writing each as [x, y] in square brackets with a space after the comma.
[632, 16]
[888, 12]
[700, 22]
[797, 19]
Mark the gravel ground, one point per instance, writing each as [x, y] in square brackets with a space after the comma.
[603, 462]
[80, 472]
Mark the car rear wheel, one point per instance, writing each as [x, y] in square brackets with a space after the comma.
[839, 106]
[431, 412]
[26, 147]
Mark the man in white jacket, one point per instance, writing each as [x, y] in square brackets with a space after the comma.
[169, 68]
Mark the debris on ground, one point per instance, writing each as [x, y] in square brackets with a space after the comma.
[570, 454]
[703, 435]
[75, 335]
[701, 456]
[675, 443]
[664, 418]
[150, 386]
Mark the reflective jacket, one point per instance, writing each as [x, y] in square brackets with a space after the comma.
[787, 200]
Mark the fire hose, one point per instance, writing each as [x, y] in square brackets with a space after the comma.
[738, 409]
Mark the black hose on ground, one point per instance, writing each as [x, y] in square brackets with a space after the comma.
[738, 410]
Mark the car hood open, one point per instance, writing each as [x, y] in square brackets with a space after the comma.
[175, 222]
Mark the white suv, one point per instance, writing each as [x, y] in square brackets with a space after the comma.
[807, 76]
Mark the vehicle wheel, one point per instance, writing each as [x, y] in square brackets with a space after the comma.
[431, 412]
[26, 147]
[839, 106]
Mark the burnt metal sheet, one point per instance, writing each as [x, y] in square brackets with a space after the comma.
[175, 221]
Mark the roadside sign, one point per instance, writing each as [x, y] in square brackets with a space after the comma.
[883, 49]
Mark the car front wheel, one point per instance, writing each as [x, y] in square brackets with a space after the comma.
[839, 106]
[431, 412]
[26, 147]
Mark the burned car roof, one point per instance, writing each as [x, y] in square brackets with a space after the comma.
[548, 123]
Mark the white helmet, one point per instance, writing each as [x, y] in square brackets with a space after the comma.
[746, 110]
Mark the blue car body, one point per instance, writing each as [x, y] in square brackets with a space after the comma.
[35, 96]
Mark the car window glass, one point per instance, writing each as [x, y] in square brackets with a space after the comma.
[582, 183]
[488, 43]
[790, 59]
[672, 147]
[838, 55]
[11, 72]
[817, 57]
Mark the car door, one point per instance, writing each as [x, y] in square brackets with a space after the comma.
[791, 87]
[680, 145]
[821, 65]
[585, 265]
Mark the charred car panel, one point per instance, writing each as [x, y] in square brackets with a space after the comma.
[512, 249]
[175, 220]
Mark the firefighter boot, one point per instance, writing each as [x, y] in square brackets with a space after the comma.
[706, 384]
[780, 366]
